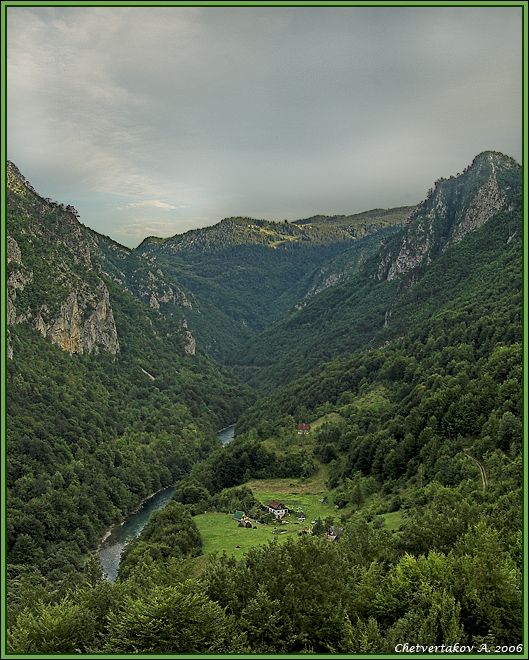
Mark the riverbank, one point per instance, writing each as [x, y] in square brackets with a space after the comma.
[108, 533]
[117, 537]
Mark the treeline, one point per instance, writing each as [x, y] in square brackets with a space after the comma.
[171, 533]
[365, 594]
[245, 458]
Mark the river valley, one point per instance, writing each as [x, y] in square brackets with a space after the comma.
[120, 535]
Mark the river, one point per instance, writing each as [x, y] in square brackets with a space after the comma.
[226, 435]
[120, 535]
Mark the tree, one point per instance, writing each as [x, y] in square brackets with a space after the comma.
[172, 620]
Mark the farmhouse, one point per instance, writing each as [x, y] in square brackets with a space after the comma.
[277, 508]
[303, 429]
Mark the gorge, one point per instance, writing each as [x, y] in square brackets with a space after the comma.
[393, 336]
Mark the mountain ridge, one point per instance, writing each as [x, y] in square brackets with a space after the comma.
[367, 307]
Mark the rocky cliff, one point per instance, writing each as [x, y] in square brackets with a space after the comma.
[59, 274]
[453, 208]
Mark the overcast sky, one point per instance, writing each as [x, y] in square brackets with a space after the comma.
[152, 121]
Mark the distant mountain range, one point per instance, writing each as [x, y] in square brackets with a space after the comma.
[239, 290]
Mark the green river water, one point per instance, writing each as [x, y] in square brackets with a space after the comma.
[120, 535]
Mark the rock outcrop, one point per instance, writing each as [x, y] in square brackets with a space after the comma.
[453, 208]
[84, 325]
[190, 343]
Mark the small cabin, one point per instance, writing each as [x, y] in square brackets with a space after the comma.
[303, 429]
[243, 519]
[278, 509]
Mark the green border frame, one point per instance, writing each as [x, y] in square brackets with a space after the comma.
[5, 4]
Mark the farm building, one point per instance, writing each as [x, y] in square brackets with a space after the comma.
[303, 429]
[278, 509]
[242, 519]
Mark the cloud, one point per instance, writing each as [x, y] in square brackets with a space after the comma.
[274, 112]
[152, 203]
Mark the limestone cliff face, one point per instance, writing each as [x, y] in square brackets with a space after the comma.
[453, 208]
[17, 279]
[159, 292]
[85, 324]
[489, 200]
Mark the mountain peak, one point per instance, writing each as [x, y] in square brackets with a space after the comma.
[494, 157]
[453, 208]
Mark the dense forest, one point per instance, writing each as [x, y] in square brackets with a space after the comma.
[401, 346]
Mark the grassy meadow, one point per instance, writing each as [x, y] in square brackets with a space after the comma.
[221, 533]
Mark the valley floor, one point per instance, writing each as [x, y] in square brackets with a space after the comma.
[221, 533]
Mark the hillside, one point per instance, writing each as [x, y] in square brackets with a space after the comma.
[460, 243]
[108, 399]
[401, 354]
[245, 273]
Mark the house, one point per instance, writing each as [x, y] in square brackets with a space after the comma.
[303, 429]
[239, 515]
[301, 516]
[277, 508]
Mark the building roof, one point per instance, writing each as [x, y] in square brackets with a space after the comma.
[238, 515]
[276, 504]
[304, 427]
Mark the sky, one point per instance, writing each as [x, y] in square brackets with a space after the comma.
[154, 121]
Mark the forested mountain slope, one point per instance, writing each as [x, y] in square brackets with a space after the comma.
[461, 242]
[406, 360]
[107, 398]
[246, 273]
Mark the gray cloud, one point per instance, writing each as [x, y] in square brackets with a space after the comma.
[193, 114]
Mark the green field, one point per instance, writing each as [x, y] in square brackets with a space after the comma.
[221, 533]
[304, 494]
[393, 520]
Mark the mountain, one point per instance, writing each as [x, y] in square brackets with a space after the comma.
[59, 274]
[108, 400]
[245, 273]
[466, 231]
[400, 351]
[453, 208]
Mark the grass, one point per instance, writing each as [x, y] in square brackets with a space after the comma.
[329, 418]
[315, 484]
[309, 503]
[393, 520]
[290, 442]
[220, 532]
